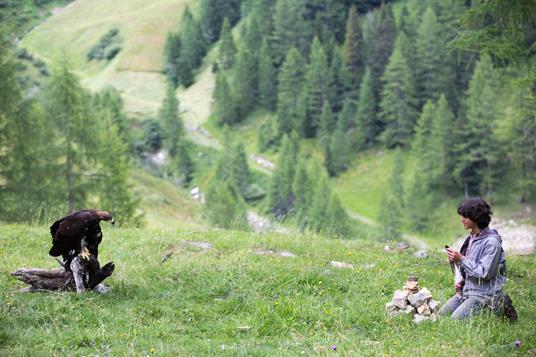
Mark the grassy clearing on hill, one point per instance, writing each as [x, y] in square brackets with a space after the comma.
[165, 205]
[229, 300]
[135, 71]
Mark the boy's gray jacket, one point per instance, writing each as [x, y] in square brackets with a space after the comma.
[484, 267]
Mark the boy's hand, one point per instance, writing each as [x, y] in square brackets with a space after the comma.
[454, 255]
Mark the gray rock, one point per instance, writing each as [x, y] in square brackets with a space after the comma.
[400, 299]
[421, 254]
[432, 304]
[420, 298]
[419, 318]
[424, 310]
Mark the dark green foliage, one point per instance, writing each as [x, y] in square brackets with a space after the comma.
[354, 54]
[441, 149]
[183, 72]
[267, 78]
[212, 13]
[392, 202]
[347, 116]
[280, 200]
[107, 48]
[317, 79]
[338, 221]
[115, 191]
[67, 105]
[303, 192]
[379, 41]
[433, 70]
[172, 125]
[245, 81]
[340, 82]
[477, 152]
[318, 218]
[172, 54]
[192, 42]
[184, 163]
[367, 125]
[338, 158]
[30, 191]
[240, 169]
[152, 133]
[506, 30]
[520, 132]
[252, 35]
[398, 101]
[290, 102]
[291, 29]
[266, 136]
[227, 48]
[111, 99]
[326, 127]
[223, 105]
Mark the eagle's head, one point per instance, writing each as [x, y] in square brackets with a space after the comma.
[105, 216]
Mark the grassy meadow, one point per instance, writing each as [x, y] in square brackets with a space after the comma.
[136, 71]
[230, 301]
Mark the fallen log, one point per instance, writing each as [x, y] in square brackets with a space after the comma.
[84, 274]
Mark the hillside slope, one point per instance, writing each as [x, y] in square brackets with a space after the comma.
[135, 71]
[234, 300]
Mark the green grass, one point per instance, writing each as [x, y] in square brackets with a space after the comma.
[231, 301]
[164, 205]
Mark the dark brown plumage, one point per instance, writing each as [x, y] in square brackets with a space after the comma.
[79, 230]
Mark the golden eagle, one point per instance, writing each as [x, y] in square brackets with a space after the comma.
[78, 233]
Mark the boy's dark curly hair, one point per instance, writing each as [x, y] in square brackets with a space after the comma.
[477, 210]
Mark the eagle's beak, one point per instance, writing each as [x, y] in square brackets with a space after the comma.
[112, 221]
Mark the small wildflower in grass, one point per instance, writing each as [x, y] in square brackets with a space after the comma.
[517, 343]
[151, 350]
[349, 254]
[333, 348]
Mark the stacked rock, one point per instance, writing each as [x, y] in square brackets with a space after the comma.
[413, 300]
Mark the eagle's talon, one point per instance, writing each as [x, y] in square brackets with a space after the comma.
[85, 254]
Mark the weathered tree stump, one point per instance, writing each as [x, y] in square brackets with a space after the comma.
[84, 274]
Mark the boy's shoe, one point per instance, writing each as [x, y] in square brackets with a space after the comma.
[509, 310]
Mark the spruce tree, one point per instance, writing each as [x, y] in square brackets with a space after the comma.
[240, 169]
[193, 46]
[326, 127]
[227, 48]
[171, 121]
[433, 72]
[367, 125]
[316, 84]
[440, 137]
[354, 55]
[477, 151]
[245, 81]
[267, 78]
[172, 54]
[223, 104]
[339, 82]
[184, 163]
[419, 201]
[252, 37]
[303, 191]
[339, 155]
[291, 29]
[520, 134]
[347, 115]
[280, 199]
[289, 94]
[319, 220]
[338, 222]
[398, 103]
[379, 44]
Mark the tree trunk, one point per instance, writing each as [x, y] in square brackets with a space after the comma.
[85, 274]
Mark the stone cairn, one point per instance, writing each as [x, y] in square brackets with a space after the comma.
[413, 300]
